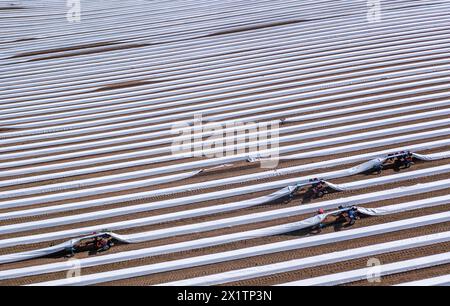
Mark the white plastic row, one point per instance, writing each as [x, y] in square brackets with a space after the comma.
[169, 81]
[234, 221]
[106, 213]
[435, 281]
[101, 77]
[225, 160]
[314, 261]
[199, 130]
[394, 92]
[291, 244]
[191, 31]
[372, 197]
[202, 133]
[183, 147]
[334, 86]
[160, 180]
[204, 27]
[314, 29]
[256, 139]
[210, 84]
[251, 58]
[116, 21]
[18, 105]
[160, 34]
[244, 115]
[386, 269]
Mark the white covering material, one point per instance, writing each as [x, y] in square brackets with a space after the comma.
[355, 200]
[142, 140]
[98, 181]
[133, 238]
[361, 274]
[75, 194]
[434, 281]
[206, 226]
[313, 261]
[249, 252]
[412, 137]
[244, 145]
[246, 219]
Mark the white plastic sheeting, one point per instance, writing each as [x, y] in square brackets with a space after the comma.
[146, 136]
[301, 181]
[387, 269]
[96, 181]
[206, 148]
[73, 136]
[218, 114]
[144, 173]
[149, 182]
[246, 219]
[73, 194]
[250, 252]
[335, 62]
[332, 204]
[76, 232]
[123, 256]
[110, 110]
[314, 261]
[434, 281]
[412, 137]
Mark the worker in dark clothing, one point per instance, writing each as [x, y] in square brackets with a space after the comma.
[352, 215]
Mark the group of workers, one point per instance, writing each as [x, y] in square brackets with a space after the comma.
[318, 187]
[349, 215]
[402, 159]
[97, 244]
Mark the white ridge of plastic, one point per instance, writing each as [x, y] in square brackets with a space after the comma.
[104, 189]
[434, 281]
[387, 269]
[235, 221]
[142, 173]
[304, 209]
[218, 113]
[313, 261]
[108, 110]
[401, 16]
[271, 142]
[146, 143]
[250, 252]
[345, 25]
[226, 160]
[399, 20]
[332, 87]
[138, 73]
[349, 53]
[105, 213]
[300, 99]
[258, 118]
[355, 200]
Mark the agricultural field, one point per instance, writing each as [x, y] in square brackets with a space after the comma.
[238, 143]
